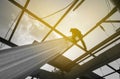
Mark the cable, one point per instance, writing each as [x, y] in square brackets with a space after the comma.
[56, 11]
[11, 25]
[2, 45]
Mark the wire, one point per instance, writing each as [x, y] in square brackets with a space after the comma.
[2, 45]
[56, 11]
[12, 25]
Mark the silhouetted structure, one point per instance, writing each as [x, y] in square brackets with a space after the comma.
[76, 35]
[19, 62]
[116, 3]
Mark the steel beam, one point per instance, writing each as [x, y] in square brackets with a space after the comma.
[101, 48]
[64, 15]
[101, 21]
[99, 45]
[103, 59]
[79, 4]
[7, 42]
[93, 49]
[112, 21]
[20, 61]
[45, 23]
[16, 25]
[116, 3]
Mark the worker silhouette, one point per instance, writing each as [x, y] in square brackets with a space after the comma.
[76, 35]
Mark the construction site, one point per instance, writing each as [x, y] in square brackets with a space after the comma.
[59, 39]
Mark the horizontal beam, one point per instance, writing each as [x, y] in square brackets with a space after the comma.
[103, 59]
[93, 49]
[99, 45]
[112, 21]
[100, 49]
[7, 42]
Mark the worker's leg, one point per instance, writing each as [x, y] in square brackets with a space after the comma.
[74, 38]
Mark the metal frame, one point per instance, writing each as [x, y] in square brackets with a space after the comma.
[103, 59]
[112, 21]
[53, 28]
[18, 21]
[7, 42]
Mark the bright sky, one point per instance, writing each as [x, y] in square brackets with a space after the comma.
[83, 18]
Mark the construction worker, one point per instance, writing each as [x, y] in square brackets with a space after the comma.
[76, 35]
